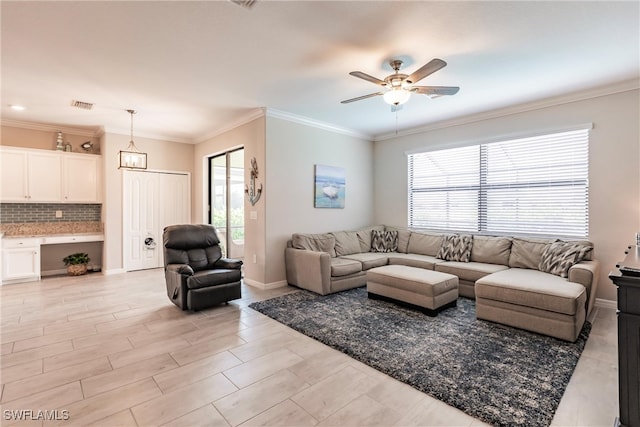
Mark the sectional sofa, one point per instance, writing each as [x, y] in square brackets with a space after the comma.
[546, 286]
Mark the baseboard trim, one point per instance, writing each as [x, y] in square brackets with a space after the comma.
[265, 286]
[606, 303]
[53, 272]
[114, 271]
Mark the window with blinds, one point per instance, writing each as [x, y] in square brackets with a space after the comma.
[527, 186]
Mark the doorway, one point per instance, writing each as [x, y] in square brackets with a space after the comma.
[226, 200]
[150, 202]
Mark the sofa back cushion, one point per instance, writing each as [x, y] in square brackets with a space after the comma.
[347, 243]
[491, 250]
[527, 252]
[315, 242]
[403, 238]
[423, 243]
[364, 237]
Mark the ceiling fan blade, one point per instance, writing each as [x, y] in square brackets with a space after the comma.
[371, 95]
[429, 68]
[435, 90]
[368, 78]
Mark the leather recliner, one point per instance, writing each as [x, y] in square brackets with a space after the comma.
[197, 276]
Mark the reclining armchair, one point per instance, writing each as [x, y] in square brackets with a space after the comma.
[196, 274]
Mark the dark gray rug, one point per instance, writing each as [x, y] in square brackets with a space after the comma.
[500, 375]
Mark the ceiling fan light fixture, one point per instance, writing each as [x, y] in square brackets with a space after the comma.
[396, 96]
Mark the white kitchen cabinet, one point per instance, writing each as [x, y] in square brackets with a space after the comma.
[41, 176]
[81, 178]
[13, 175]
[20, 259]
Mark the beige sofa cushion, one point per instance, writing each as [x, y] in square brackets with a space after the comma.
[492, 250]
[532, 288]
[347, 242]
[527, 253]
[369, 259]
[315, 242]
[424, 243]
[364, 237]
[344, 267]
[403, 238]
[413, 260]
[469, 271]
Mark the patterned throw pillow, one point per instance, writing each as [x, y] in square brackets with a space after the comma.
[558, 257]
[456, 247]
[384, 241]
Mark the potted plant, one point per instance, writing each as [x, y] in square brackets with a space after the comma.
[76, 263]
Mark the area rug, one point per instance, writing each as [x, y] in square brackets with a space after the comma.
[500, 375]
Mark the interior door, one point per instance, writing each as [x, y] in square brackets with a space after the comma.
[140, 220]
[151, 201]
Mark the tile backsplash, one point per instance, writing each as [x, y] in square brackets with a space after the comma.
[46, 212]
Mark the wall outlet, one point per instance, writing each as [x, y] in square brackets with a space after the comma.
[58, 214]
[255, 258]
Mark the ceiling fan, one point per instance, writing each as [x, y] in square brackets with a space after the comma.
[397, 87]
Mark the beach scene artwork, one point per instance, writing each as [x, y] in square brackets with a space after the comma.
[329, 187]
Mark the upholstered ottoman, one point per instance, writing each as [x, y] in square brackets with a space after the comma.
[429, 291]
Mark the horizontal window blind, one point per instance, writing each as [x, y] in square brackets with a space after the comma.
[528, 186]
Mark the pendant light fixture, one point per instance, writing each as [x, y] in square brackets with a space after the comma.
[132, 158]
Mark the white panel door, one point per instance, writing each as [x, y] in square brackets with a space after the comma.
[175, 203]
[140, 220]
[151, 201]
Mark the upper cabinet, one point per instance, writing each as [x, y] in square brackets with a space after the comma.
[41, 176]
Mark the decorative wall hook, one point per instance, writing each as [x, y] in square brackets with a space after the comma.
[253, 193]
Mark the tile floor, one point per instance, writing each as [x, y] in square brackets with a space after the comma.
[113, 351]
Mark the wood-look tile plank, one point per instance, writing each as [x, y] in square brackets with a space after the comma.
[209, 332]
[248, 402]
[103, 405]
[9, 334]
[80, 331]
[205, 349]
[143, 338]
[97, 339]
[138, 354]
[121, 419]
[37, 353]
[6, 348]
[124, 322]
[195, 371]
[207, 416]
[24, 387]
[85, 354]
[261, 367]
[164, 408]
[20, 371]
[127, 374]
[56, 398]
[56, 328]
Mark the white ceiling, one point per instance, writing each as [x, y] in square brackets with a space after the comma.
[191, 69]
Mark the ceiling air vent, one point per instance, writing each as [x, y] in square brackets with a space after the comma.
[82, 105]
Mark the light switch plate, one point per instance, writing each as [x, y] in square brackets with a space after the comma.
[253, 215]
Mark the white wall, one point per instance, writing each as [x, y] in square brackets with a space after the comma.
[292, 151]
[161, 155]
[614, 179]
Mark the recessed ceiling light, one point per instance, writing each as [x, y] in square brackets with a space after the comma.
[18, 107]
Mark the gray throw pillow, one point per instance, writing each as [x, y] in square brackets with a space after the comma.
[456, 247]
[559, 257]
[384, 241]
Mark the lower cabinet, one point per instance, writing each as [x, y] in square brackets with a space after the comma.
[20, 260]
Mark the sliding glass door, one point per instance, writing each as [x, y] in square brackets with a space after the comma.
[226, 200]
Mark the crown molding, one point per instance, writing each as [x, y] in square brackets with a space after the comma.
[44, 127]
[242, 120]
[597, 92]
[146, 135]
[278, 114]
